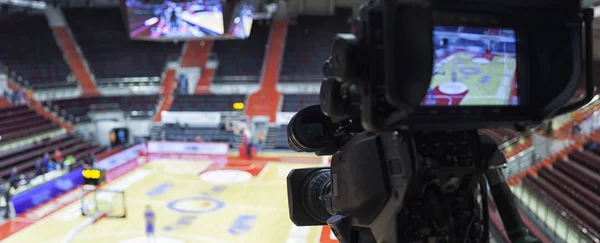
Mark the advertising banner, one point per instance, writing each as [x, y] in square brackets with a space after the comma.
[197, 119]
[120, 158]
[45, 192]
[164, 147]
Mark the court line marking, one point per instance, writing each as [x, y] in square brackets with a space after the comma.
[319, 232]
[237, 206]
[174, 178]
[73, 204]
[138, 234]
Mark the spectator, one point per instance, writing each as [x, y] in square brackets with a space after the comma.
[51, 165]
[93, 160]
[69, 161]
[46, 161]
[58, 156]
[163, 135]
[14, 176]
[6, 95]
[576, 128]
[29, 94]
[38, 167]
[5, 193]
[121, 136]
[248, 140]
[15, 98]
[22, 180]
[261, 138]
[199, 139]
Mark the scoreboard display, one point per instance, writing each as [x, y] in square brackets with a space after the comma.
[93, 177]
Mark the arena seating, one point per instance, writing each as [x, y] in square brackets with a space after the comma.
[276, 138]
[186, 133]
[24, 158]
[571, 188]
[19, 122]
[104, 40]
[206, 102]
[30, 51]
[295, 102]
[129, 82]
[241, 61]
[76, 110]
[309, 44]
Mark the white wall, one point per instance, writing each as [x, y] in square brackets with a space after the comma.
[102, 127]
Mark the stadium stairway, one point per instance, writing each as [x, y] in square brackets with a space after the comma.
[39, 108]
[194, 60]
[265, 102]
[70, 50]
[75, 61]
[168, 86]
[206, 77]
[195, 53]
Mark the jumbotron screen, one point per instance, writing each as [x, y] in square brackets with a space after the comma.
[473, 66]
[185, 20]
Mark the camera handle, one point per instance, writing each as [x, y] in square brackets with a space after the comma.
[505, 201]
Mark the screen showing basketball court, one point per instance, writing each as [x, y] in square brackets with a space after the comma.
[473, 66]
[199, 19]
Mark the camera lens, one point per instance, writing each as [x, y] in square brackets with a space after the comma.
[316, 189]
[310, 130]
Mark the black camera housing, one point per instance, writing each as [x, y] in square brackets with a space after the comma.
[412, 173]
[390, 61]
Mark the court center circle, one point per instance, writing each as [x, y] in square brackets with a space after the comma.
[470, 70]
[196, 205]
[453, 88]
[226, 176]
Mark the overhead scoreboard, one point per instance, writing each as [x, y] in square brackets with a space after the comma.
[94, 177]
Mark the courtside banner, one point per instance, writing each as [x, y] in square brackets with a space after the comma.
[202, 119]
[164, 147]
[47, 191]
[120, 158]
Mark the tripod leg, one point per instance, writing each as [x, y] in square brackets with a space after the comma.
[507, 209]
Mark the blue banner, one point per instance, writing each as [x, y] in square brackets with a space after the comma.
[47, 191]
[119, 158]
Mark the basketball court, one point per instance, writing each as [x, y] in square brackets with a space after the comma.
[467, 78]
[193, 200]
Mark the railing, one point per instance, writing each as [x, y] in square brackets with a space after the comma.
[554, 221]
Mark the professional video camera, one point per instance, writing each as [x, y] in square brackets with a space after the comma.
[401, 103]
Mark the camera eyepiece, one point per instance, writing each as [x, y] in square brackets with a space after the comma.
[309, 130]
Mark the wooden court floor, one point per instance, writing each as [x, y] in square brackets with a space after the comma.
[245, 203]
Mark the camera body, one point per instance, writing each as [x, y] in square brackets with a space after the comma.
[390, 62]
[401, 103]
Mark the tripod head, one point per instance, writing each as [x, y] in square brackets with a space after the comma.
[401, 103]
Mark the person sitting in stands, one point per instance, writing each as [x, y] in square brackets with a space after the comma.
[52, 165]
[39, 167]
[69, 161]
[199, 139]
[58, 156]
[13, 179]
[23, 180]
